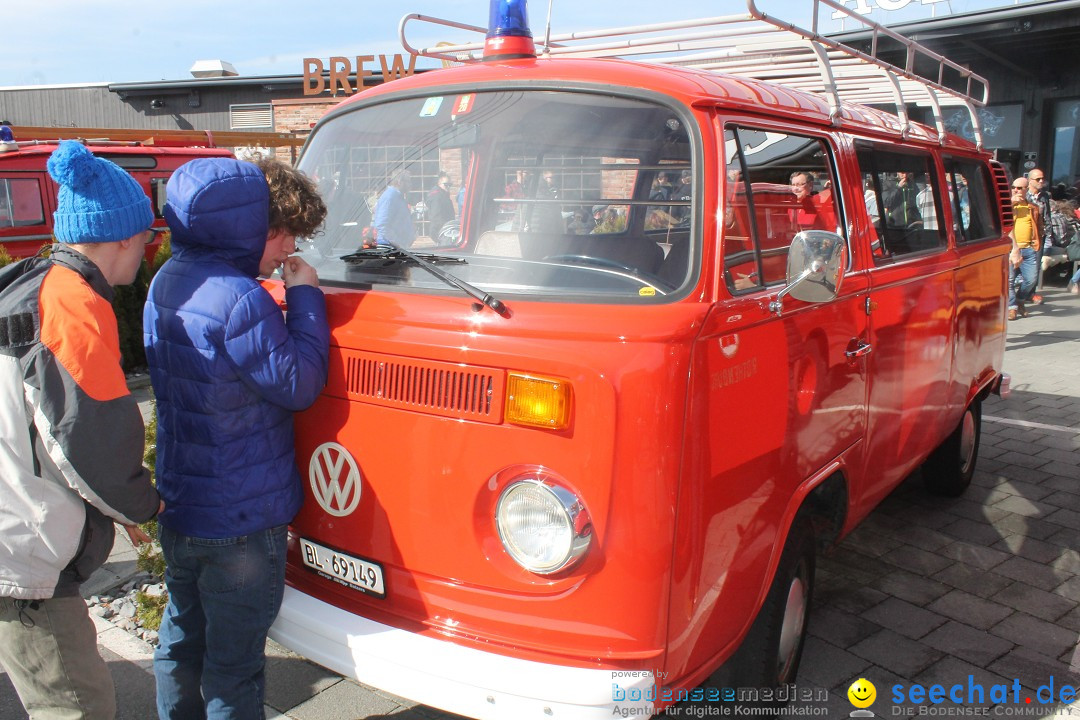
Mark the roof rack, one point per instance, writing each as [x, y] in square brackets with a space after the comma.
[760, 46]
[161, 138]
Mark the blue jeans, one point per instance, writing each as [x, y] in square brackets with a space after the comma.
[1029, 276]
[223, 596]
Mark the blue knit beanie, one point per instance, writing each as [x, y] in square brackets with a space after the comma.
[98, 200]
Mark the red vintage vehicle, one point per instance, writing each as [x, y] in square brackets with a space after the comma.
[28, 193]
[574, 458]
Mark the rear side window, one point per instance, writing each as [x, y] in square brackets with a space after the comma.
[903, 197]
[157, 195]
[20, 202]
[972, 193]
[777, 185]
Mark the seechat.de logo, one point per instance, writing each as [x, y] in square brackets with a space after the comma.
[862, 695]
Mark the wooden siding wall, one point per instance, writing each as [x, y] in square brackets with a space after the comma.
[98, 107]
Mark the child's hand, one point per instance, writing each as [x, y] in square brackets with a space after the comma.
[294, 271]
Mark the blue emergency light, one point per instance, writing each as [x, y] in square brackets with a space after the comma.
[508, 35]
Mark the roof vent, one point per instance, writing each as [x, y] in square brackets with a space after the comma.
[212, 68]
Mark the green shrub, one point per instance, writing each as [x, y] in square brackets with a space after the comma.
[150, 609]
[164, 252]
[128, 301]
[149, 557]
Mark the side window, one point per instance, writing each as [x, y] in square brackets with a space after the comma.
[903, 198]
[972, 193]
[20, 203]
[157, 195]
[777, 185]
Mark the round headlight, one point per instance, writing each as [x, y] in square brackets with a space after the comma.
[545, 528]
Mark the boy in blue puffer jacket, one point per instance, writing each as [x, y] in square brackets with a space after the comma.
[229, 370]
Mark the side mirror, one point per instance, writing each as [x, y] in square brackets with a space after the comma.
[815, 268]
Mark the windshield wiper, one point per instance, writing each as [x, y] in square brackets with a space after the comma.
[388, 253]
[392, 254]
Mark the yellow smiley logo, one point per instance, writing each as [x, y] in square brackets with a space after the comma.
[862, 693]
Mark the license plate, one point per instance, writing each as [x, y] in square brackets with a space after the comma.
[345, 569]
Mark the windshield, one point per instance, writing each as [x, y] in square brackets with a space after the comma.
[567, 195]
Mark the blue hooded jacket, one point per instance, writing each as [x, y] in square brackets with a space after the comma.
[228, 368]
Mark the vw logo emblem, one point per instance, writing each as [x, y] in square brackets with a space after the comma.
[335, 479]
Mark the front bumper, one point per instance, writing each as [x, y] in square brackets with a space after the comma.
[453, 677]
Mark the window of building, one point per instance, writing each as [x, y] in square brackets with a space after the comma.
[777, 185]
[257, 116]
[1065, 142]
[20, 203]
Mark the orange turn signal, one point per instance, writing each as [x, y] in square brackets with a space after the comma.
[538, 401]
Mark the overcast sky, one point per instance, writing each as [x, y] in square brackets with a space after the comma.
[48, 42]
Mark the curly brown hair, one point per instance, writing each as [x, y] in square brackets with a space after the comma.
[295, 205]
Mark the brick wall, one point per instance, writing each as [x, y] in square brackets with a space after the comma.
[298, 117]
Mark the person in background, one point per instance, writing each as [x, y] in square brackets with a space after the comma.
[901, 202]
[548, 190]
[684, 192]
[813, 211]
[1061, 217]
[71, 458]
[439, 205]
[609, 220]
[927, 209]
[870, 199]
[1023, 258]
[545, 216]
[393, 222]
[580, 223]
[229, 369]
[1067, 231]
[1039, 197]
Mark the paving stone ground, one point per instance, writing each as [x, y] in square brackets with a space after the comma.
[926, 590]
[933, 590]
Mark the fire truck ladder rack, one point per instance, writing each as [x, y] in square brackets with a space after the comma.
[763, 47]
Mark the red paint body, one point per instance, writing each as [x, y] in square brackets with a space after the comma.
[27, 223]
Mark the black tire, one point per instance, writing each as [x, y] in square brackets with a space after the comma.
[949, 469]
[770, 654]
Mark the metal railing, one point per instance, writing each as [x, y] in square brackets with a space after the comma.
[760, 46]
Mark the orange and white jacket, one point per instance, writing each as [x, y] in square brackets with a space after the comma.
[71, 435]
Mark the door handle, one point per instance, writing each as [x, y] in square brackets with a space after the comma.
[862, 350]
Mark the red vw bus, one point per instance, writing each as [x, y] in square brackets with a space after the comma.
[579, 445]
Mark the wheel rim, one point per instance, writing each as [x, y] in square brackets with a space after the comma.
[967, 441]
[791, 628]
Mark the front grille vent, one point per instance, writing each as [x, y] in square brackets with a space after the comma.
[426, 386]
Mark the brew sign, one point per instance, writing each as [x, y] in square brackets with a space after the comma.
[341, 69]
